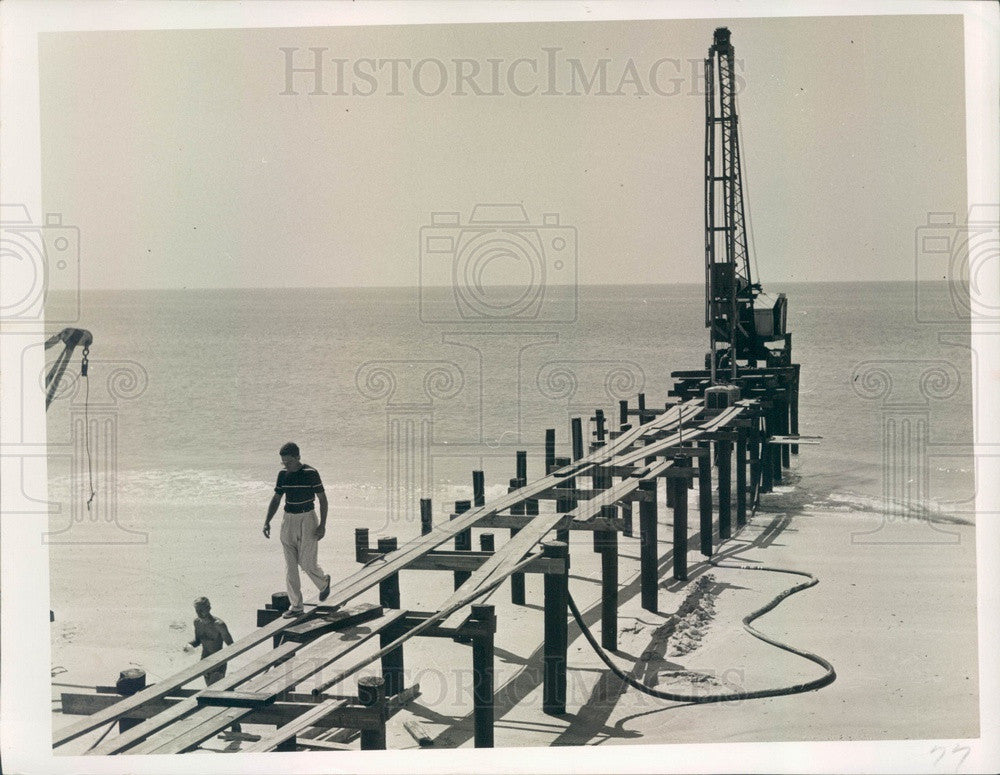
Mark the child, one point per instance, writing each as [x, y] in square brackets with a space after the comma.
[210, 632]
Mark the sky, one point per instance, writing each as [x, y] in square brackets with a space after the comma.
[186, 163]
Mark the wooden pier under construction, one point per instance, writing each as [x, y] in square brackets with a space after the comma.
[734, 439]
[731, 428]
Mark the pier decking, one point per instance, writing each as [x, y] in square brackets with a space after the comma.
[693, 433]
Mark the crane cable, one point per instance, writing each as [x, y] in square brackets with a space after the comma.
[828, 677]
[745, 194]
[84, 367]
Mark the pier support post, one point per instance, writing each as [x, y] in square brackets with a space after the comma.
[786, 451]
[426, 516]
[793, 407]
[463, 541]
[754, 449]
[517, 579]
[622, 413]
[608, 543]
[576, 433]
[766, 463]
[724, 455]
[648, 545]
[556, 589]
[642, 408]
[741, 478]
[130, 681]
[550, 449]
[388, 590]
[704, 498]
[371, 694]
[389, 597]
[680, 527]
[482, 674]
[392, 662]
[360, 543]
[601, 480]
[626, 507]
[774, 429]
[478, 489]
[564, 505]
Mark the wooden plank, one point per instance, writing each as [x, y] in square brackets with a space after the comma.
[371, 575]
[418, 733]
[368, 577]
[181, 709]
[308, 719]
[502, 562]
[275, 714]
[234, 699]
[511, 553]
[676, 438]
[164, 687]
[793, 439]
[336, 620]
[311, 659]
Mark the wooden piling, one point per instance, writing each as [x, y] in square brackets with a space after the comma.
[388, 590]
[522, 464]
[753, 448]
[392, 661]
[741, 477]
[774, 429]
[576, 433]
[704, 498]
[793, 407]
[360, 543]
[130, 681]
[518, 509]
[766, 465]
[626, 507]
[600, 426]
[600, 480]
[648, 545]
[642, 408]
[463, 541]
[622, 414]
[556, 590]
[371, 694]
[566, 504]
[680, 527]
[478, 489]
[550, 449]
[724, 460]
[783, 410]
[486, 542]
[482, 674]
[609, 582]
[426, 516]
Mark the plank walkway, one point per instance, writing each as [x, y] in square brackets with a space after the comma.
[190, 721]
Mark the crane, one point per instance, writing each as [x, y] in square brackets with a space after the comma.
[742, 333]
[71, 338]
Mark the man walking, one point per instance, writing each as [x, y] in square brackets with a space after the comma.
[300, 532]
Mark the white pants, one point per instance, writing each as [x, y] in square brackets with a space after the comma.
[298, 540]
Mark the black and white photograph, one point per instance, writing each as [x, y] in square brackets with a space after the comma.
[612, 384]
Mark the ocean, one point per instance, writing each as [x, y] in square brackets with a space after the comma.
[394, 394]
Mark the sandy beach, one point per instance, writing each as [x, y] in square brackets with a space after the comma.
[894, 612]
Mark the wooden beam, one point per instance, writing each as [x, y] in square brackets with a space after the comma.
[148, 727]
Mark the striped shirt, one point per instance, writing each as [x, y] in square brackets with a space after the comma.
[298, 487]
